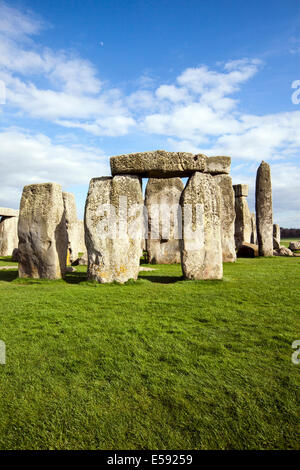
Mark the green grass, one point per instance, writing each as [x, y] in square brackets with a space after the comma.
[160, 363]
[7, 261]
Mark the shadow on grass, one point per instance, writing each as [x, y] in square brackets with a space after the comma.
[75, 278]
[8, 276]
[162, 279]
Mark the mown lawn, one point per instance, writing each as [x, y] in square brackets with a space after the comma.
[160, 363]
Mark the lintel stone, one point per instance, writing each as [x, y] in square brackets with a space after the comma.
[241, 190]
[158, 164]
[7, 212]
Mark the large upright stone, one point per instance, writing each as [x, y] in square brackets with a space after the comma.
[42, 232]
[243, 224]
[114, 228]
[264, 210]
[201, 255]
[227, 217]
[162, 200]
[71, 225]
[81, 238]
[8, 235]
[253, 239]
[276, 236]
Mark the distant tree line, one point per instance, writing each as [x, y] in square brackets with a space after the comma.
[290, 232]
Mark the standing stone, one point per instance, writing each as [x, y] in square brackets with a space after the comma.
[81, 238]
[243, 225]
[8, 235]
[114, 228]
[276, 236]
[201, 256]
[264, 211]
[227, 217]
[253, 239]
[162, 200]
[71, 225]
[42, 232]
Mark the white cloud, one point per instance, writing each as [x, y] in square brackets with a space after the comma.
[15, 23]
[172, 93]
[29, 159]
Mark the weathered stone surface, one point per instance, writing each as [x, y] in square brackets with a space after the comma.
[243, 224]
[42, 232]
[7, 212]
[158, 164]
[241, 190]
[81, 238]
[8, 235]
[283, 251]
[294, 246]
[162, 201]
[248, 250]
[71, 225]
[227, 217]
[253, 238]
[15, 255]
[276, 236]
[201, 256]
[218, 165]
[276, 232]
[264, 211]
[114, 228]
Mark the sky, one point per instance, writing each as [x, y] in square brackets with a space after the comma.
[82, 81]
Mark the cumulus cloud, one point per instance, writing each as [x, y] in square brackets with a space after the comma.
[29, 159]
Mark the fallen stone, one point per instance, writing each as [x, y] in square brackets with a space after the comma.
[162, 200]
[42, 232]
[294, 246]
[201, 256]
[283, 251]
[114, 228]
[264, 211]
[248, 250]
[143, 268]
[158, 164]
[80, 262]
[227, 217]
[70, 269]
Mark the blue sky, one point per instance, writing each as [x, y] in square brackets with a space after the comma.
[87, 80]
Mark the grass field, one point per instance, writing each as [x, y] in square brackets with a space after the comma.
[160, 363]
